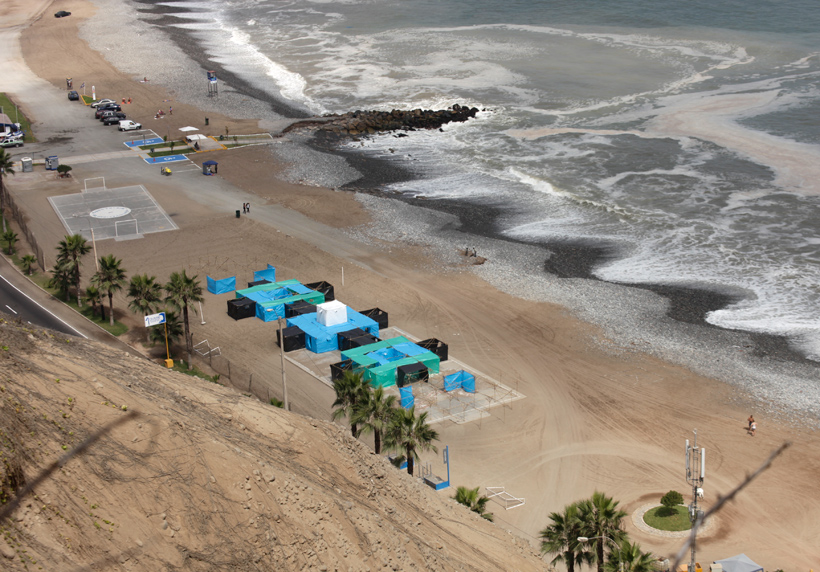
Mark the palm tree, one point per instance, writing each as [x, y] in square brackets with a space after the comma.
[146, 295]
[410, 434]
[174, 326]
[11, 238]
[374, 413]
[181, 291]
[351, 390]
[561, 538]
[69, 252]
[630, 558]
[476, 502]
[110, 278]
[6, 168]
[601, 519]
[28, 262]
[61, 279]
[93, 295]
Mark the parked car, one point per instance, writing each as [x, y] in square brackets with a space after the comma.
[100, 102]
[73, 95]
[112, 113]
[113, 119]
[62, 14]
[111, 107]
[128, 125]
[11, 141]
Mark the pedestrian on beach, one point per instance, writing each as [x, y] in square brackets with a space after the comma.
[751, 420]
[129, 100]
[249, 207]
[170, 110]
[753, 428]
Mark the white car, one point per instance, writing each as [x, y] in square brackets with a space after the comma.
[102, 102]
[128, 125]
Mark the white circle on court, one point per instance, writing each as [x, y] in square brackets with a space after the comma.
[110, 212]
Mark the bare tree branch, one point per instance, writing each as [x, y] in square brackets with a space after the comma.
[48, 471]
[723, 499]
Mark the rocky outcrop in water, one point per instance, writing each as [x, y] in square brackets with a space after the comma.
[372, 122]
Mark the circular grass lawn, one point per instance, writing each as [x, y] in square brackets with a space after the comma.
[679, 520]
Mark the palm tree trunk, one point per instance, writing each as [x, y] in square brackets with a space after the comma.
[354, 430]
[79, 299]
[600, 552]
[377, 438]
[570, 560]
[111, 308]
[187, 335]
[3, 201]
[409, 461]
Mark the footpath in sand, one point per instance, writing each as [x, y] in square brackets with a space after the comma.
[590, 421]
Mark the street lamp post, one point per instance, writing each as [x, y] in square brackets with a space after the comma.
[615, 544]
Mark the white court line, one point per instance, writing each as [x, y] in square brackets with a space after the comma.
[43, 307]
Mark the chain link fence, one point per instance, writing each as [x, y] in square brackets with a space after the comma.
[20, 218]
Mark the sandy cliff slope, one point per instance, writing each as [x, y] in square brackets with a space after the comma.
[205, 478]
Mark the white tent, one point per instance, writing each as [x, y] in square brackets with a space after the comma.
[739, 563]
[331, 313]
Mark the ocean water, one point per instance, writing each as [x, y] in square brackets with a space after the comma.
[684, 135]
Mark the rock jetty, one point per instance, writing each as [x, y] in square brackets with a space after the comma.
[372, 122]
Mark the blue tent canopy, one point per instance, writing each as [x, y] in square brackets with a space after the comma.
[210, 162]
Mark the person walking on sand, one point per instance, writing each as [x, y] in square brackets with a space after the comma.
[751, 420]
[753, 428]
[170, 110]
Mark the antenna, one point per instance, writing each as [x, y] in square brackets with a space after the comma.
[695, 457]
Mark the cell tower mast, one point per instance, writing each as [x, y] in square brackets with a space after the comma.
[695, 473]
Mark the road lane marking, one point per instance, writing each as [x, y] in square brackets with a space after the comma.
[43, 307]
[10, 308]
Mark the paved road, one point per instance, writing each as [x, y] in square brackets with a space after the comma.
[31, 304]
[15, 302]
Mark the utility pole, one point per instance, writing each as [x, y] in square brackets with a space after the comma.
[282, 355]
[695, 473]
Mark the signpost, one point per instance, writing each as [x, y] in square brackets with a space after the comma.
[156, 320]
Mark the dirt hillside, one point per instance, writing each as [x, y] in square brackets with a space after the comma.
[205, 479]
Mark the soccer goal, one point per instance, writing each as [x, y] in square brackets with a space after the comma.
[94, 184]
[500, 494]
[126, 229]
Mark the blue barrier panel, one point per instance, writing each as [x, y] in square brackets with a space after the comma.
[407, 399]
[222, 286]
[268, 274]
[452, 381]
[468, 383]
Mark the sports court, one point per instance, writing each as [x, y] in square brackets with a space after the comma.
[124, 213]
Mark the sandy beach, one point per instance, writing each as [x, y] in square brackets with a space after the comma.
[592, 419]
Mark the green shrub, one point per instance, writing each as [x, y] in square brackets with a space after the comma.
[669, 501]
[672, 499]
